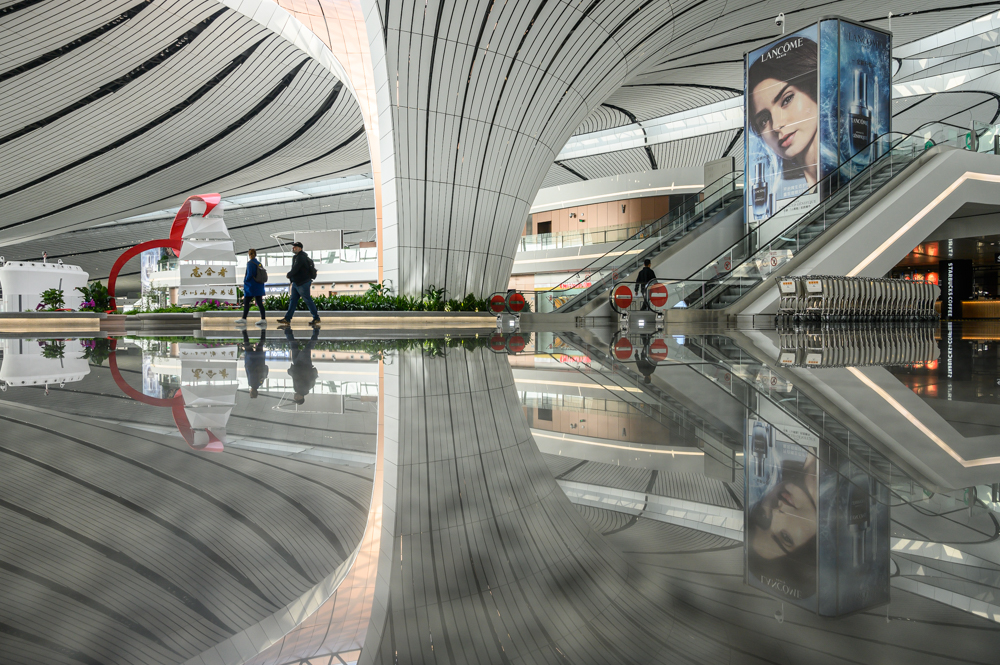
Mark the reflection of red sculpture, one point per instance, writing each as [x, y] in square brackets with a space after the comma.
[176, 404]
[174, 242]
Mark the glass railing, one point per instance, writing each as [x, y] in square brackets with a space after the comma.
[763, 251]
[565, 239]
[628, 255]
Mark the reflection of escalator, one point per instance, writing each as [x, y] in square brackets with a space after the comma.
[800, 408]
[669, 409]
[716, 202]
[763, 252]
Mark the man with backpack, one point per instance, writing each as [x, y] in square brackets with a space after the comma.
[253, 289]
[301, 276]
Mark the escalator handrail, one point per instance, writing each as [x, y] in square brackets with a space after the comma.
[835, 172]
[699, 275]
[679, 212]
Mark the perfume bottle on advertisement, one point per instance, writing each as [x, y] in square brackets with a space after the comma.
[759, 446]
[860, 113]
[860, 518]
[759, 192]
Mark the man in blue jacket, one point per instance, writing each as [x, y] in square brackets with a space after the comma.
[301, 276]
[253, 290]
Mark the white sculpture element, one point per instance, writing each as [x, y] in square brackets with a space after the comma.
[24, 281]
[25, 365]
[208, 388]
[207, 259]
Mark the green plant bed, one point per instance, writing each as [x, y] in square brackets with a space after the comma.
[374, 347]
[376, 299]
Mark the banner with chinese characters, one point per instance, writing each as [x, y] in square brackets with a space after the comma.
[207, 261]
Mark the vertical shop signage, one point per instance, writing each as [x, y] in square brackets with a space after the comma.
[815, 100]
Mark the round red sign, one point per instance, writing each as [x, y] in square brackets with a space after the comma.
[623, 349]
[658, 295]
[622, 296]
[516, 343]
[516, 302]
[658, 350]
[497, 303]
[498, 342]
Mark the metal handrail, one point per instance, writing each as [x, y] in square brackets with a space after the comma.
[675, 221]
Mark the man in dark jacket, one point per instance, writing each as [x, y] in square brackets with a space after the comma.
[646, 275]
[301, 277]
[302, 370]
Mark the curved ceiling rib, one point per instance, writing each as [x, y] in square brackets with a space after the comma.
[138, 104]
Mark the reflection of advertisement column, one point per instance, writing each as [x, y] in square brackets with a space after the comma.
[781, 505]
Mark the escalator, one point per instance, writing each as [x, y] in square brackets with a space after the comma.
[716, 202]
[765, 251]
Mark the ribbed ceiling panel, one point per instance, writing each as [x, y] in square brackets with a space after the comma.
[204, 99]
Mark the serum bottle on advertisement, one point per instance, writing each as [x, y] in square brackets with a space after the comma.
[760, 448]
[759, 192]
[860, 519]
[860, 113]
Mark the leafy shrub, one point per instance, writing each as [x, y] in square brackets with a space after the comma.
[377, 298]
[52, 300]
[95, 298]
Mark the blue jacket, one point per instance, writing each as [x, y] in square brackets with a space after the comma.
[250, 287]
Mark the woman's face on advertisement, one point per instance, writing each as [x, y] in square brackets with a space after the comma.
[786, 117]
[785, 519]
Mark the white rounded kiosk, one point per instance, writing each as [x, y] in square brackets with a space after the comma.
[24, 281]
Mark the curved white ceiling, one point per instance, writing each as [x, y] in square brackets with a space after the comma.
[110, 108]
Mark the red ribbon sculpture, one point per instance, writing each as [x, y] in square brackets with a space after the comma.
[174, 242]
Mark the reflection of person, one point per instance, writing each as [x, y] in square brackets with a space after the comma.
[645, 366]
[781, 534]
[302, 370]
[254, 362]
[783, 110]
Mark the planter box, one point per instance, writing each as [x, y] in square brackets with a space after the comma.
[383, 321]
[50, 322]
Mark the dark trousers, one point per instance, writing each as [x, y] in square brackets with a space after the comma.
[260, 305]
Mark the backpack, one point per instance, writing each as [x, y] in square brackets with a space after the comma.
[312, 268]
[260, 275]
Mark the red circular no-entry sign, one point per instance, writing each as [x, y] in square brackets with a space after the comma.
[621, 296]
[516, 343]
[657, 295]
[497, 303]
[623, 349]
[498, 342]
[658, 350]
[516, 302]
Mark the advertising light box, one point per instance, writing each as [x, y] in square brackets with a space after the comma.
[815, 100]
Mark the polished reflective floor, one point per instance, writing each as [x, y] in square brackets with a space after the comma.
[811, 495]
